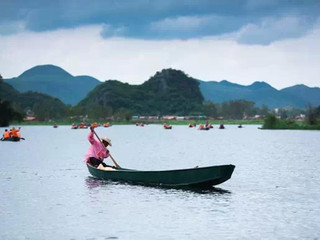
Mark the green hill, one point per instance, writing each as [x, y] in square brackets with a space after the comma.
[258, 92]
[7, 92]
[54, 81]
[167, 92]
[44, 106]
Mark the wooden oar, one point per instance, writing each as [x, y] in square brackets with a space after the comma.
[114, 161]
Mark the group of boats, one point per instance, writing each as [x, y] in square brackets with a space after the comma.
[193, 125]
[206, 126]
[88, 125]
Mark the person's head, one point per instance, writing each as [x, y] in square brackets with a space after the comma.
[106, 142]
[6, 130]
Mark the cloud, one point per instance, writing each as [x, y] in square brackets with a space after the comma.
[83, 51]
[111, 31]
[271, 29]
[183, 27]
[164, 19]
[12, 27]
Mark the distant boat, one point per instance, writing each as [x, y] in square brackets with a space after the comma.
[199, 177]
[82, 126]
[203, 127]
[106, 124]
[167, 126]
[55, 126]
[221, 126]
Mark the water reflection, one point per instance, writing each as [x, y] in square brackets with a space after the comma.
[93, 183]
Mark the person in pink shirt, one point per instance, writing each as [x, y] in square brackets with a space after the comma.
[97, 152]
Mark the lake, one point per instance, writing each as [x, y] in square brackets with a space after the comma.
[47, 192]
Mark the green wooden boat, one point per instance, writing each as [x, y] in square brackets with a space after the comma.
[201, 177]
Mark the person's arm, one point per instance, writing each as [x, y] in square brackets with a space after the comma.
[90, 136]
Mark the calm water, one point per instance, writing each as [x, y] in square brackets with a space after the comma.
[47, 192]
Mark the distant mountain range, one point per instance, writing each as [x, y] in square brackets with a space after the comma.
[261, 93]
[55, 81]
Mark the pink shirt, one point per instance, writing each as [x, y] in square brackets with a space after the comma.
[96, 150]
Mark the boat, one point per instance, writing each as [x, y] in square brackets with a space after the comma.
[106, 125]
[221, 126]
[11, 139]
[55, 126]
[82, 126]
[94, 125]
[199, 177]
[167, 126]
[203, 127]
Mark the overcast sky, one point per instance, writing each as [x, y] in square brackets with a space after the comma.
[241, 41]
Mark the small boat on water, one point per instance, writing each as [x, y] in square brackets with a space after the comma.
[199, 177]
[82, 126]
[106, 125]
[221, 126]
[203, 127]
[11, 139]
[55, 126]
[167, 126]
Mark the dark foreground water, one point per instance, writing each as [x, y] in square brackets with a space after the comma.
[274, 193]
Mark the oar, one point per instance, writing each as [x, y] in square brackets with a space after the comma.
[114, 161]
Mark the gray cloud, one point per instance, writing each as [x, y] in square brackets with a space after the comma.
[271, 29]
[163, 19]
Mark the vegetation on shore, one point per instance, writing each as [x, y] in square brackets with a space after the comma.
[8, 114]
[312, 121]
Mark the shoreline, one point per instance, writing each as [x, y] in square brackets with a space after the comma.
[160, 122]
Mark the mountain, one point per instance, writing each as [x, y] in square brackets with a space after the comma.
[258, 92]
[306, 94]
[167, 92]
[54, 81]
[7, 92]
[44, 106]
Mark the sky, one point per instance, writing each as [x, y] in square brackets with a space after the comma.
[242, 41]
